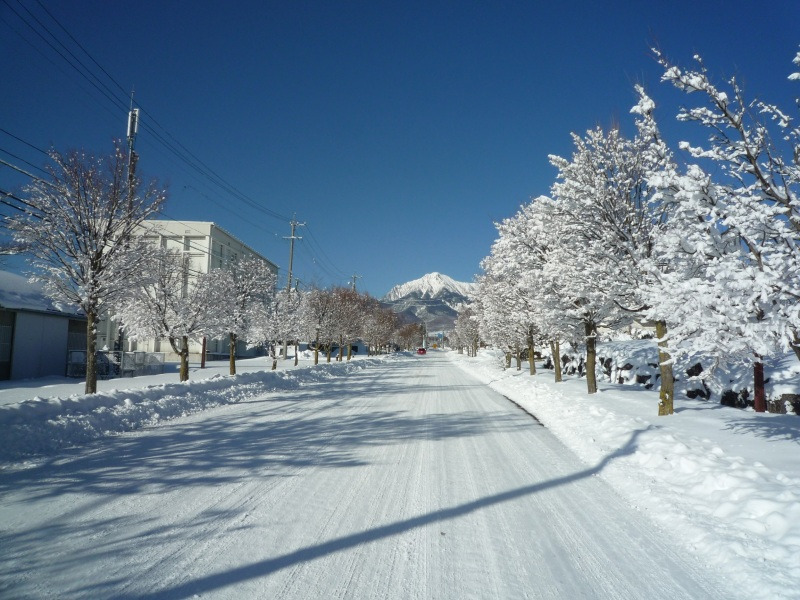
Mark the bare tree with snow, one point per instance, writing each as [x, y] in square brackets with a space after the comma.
[244, 285]
[79, 228]
[170, 304]
[468, 329]
[319, 320]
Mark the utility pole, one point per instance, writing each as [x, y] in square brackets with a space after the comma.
[353, 285]
[291, 239]
[133, 129]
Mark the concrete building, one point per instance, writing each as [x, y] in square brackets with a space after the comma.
[36, 335]
[208, 247]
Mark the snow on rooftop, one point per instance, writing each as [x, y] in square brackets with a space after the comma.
[19, 293]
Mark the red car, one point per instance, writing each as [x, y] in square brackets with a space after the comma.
[421, 351]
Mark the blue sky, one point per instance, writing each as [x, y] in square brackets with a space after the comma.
[397, 131]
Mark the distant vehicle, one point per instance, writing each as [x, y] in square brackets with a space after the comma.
[421, 351]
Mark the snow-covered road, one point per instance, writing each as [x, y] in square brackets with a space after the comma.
[409, 479]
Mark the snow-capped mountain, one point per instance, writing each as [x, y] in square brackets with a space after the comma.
[429, 286]
[432, 299]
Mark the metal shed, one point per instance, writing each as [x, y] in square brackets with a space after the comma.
[36, 335]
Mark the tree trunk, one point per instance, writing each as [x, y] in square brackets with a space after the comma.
[531, 360]
[316, 349]
[667, 394]
[518, 358]
[349, 351]
[341, 349]
[759, 393]
[555, 350]
[591, 354]
[796, 344]
[91, 353]
[296, 351]
[328, 353]
[508, 359]
[232, 350]
[274, 356]
[183, 373]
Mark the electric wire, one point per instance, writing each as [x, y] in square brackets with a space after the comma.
[321, 252]
[88, 76]
[27, 143]
[20, 159]
[179, 150]
[13, 197]
[206, 170]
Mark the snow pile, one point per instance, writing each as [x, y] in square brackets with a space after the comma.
[723, 481]
[43, 425]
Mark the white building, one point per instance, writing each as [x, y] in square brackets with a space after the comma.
[208, 246]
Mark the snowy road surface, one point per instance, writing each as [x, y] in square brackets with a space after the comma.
[405, 480]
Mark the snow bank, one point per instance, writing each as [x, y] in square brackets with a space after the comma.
[43, 425]
[723, 481]
[635, 362]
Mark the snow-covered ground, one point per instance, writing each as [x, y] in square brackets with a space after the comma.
[726, 481]
[722, 483]
[40, 416]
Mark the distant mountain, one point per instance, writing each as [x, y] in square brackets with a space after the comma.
[429, 286]
[431, 299]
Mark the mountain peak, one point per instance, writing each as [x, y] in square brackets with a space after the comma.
[429, 286]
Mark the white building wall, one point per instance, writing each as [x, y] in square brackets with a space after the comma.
[209, 247]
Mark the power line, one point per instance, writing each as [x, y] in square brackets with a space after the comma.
[86, 75]
[19, 139]
[24, 172]
[205, 170]
[158, 132]
[13, 197]
[323, 254]
[77, 43]
[19, 158]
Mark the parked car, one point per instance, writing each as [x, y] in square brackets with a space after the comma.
[421, 351]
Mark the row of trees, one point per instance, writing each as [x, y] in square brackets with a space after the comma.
[629, 233]
[239, 302]
[79, 229]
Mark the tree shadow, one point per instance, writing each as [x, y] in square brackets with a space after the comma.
[281, 434]
[266, 567]
[773, 428]
[314, 427]
[55, 436]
